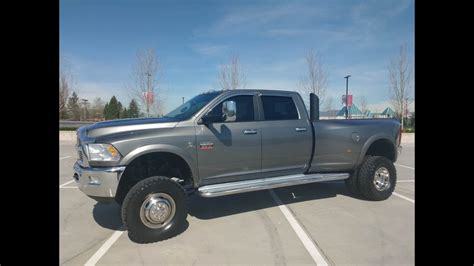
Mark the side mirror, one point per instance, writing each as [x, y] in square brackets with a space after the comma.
[229, 110]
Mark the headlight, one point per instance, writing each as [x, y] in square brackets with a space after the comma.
[102, 152]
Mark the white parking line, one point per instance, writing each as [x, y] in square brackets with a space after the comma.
[405, 181]
[64, 157]
[101, 251]
[62, 186]
[403, 197]
[307, 242]
[412, 168]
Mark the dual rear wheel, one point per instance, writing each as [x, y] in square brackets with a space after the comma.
[374, 180]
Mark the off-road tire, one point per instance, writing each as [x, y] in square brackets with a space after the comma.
[137, 230]
[365, 178]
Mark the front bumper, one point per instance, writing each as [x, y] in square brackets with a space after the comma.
[98, 183]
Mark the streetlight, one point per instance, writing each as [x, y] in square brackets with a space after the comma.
[84, 101]
[347, 90]
[405, 111]
[146, 95]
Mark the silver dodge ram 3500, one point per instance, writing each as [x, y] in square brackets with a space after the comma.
[228, 142]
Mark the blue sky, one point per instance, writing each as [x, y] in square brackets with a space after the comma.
[99, 39]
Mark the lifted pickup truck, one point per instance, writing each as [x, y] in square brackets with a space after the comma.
[228, 142]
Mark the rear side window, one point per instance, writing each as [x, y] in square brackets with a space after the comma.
[279, 108]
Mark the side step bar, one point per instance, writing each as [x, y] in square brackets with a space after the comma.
[267, 183]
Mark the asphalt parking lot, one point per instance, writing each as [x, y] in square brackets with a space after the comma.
[286, 226]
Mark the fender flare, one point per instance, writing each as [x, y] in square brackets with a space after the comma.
[163, 148]
[370, 141]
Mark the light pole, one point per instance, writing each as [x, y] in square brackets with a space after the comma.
[405, 111]
[146, 95]
[347, 91]
[84, 101]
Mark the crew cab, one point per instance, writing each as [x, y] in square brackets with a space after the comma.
[226, 142]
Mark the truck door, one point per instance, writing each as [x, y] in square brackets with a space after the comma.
[286, 135]
[230, 151]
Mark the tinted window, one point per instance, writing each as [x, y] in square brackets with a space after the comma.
[189, 108]
[245, 110]
[279, 108]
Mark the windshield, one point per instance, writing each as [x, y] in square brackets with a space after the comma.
[189, 108]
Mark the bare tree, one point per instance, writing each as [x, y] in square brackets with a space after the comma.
[315, 80]
[97, 109]
[400, 73]
[66, 82]
[363, 104]
[231, 76]
[329, 103]
[146, 83]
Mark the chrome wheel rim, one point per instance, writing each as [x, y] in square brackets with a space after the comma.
[382, 179]
[157, 210]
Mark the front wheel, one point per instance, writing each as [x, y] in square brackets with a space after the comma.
[377, 178]
[154, 209]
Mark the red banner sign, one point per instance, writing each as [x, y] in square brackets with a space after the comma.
[148, 97]
[349, 100]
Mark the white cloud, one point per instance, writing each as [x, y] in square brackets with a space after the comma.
[263, 18]
[209, 49]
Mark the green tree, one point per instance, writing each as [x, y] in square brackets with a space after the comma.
[73, 106]
[105, 111]
[124, 113]
[112, 110]
[412, 120]
[133, 110]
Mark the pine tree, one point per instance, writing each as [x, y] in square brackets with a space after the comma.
[133, 110]
[112, 110]
[73, 107]
[124, 113]
[106, 111]
[120, 108]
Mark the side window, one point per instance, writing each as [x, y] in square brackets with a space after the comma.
[245, 109]
[279, 108]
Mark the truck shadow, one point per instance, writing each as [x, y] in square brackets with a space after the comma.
[224, 135]
[108, 215]
[209, 208]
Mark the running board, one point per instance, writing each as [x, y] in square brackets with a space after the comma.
[267, 183]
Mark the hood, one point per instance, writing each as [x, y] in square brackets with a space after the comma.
[119, 126]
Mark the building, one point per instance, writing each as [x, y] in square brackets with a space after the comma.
[354, 113]
[387, 113]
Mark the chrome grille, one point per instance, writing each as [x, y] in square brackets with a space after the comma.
[79, 153]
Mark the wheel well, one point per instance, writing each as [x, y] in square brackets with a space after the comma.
[382, 147]
[154, 164]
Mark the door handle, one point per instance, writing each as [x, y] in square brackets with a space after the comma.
[300, 129]
[250, 131]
